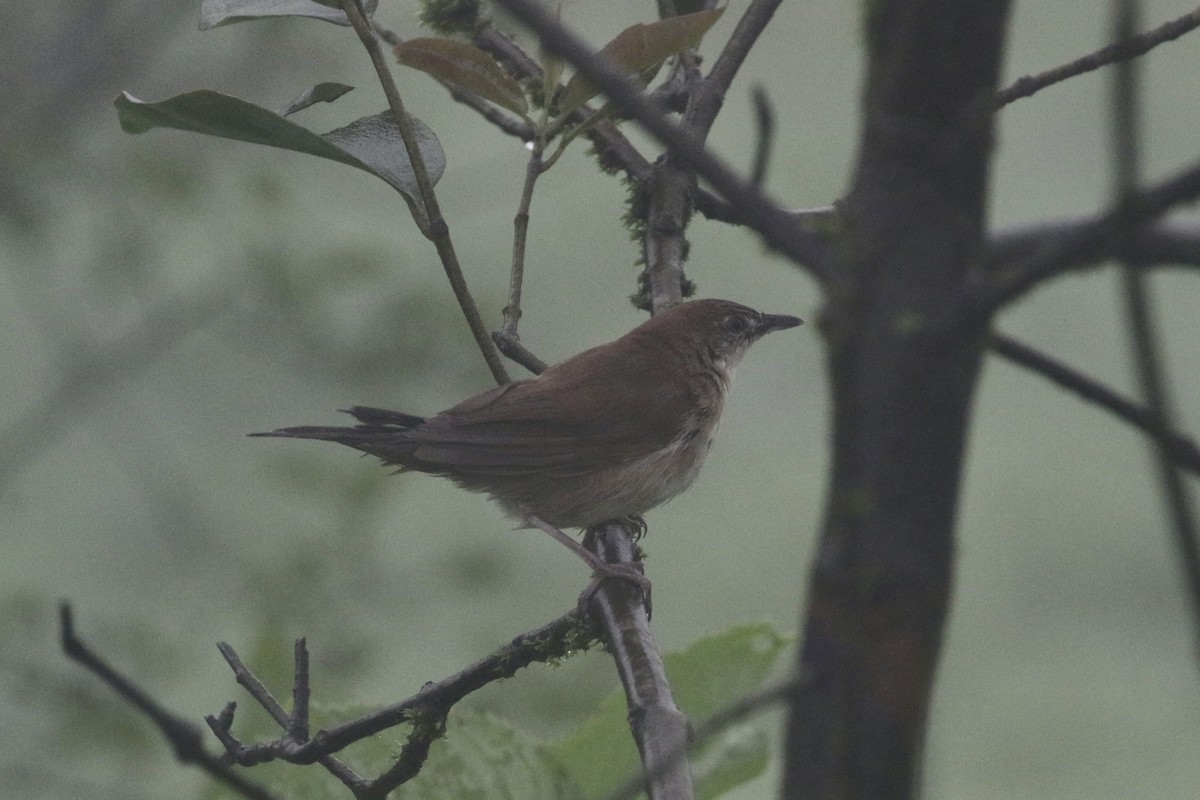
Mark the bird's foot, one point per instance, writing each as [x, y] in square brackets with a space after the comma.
[629, 573]
[638, 523]
[601, 570]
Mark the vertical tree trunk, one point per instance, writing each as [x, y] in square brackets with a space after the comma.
[903, 367]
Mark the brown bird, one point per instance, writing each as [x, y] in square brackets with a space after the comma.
[605, 435]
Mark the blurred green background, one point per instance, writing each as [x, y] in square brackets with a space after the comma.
[165, 294]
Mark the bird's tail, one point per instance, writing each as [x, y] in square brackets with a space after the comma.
[379, 432]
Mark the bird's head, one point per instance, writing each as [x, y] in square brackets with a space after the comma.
[719, 331]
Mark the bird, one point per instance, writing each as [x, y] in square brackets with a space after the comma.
[607, 434]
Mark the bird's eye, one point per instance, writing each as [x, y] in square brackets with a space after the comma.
[737, 325]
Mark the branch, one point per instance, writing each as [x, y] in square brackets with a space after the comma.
[755, 209]
[671, 189]
[659, 727]
[1152, 245]
[429, 707]
[733, 55]
[513, 350]
[512, 309]
[185, 738]
[428, 218]
[1081, 242]
[613, 150]
[1182, 449]
[718, 722]
[1122, 50]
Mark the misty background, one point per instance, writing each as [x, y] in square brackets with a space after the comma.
[165, 294]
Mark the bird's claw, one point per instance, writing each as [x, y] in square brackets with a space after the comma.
[629, 573]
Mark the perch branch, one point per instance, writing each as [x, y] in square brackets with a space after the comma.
[659, 727]
[718, 722]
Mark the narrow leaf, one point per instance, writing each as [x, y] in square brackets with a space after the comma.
[214, 13]
[465, 67]
[643, 46]
[321, 93]
[372, 144]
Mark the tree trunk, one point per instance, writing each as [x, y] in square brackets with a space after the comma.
[903, 361]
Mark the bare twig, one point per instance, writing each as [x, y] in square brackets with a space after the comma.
[429, 217]
[1122, 50]
[512, 309]
[570, 633]
[186, 739]
[1126, 106]
[1183, 449]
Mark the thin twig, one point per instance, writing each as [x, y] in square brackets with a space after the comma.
[571, 633]
[186, 739]
[1126, 106]
[512, 309]
[433, 225]
[1182, 449]
[1122, 50]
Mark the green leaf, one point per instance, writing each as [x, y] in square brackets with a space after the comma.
[321, 93]
[214, 13]
[711, 674]
[641, 47]
[484, 756]
[465, 67]
[372, 144]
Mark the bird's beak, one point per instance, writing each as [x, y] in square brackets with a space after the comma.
[777, 322]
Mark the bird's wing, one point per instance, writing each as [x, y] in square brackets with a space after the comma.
[527, 427]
